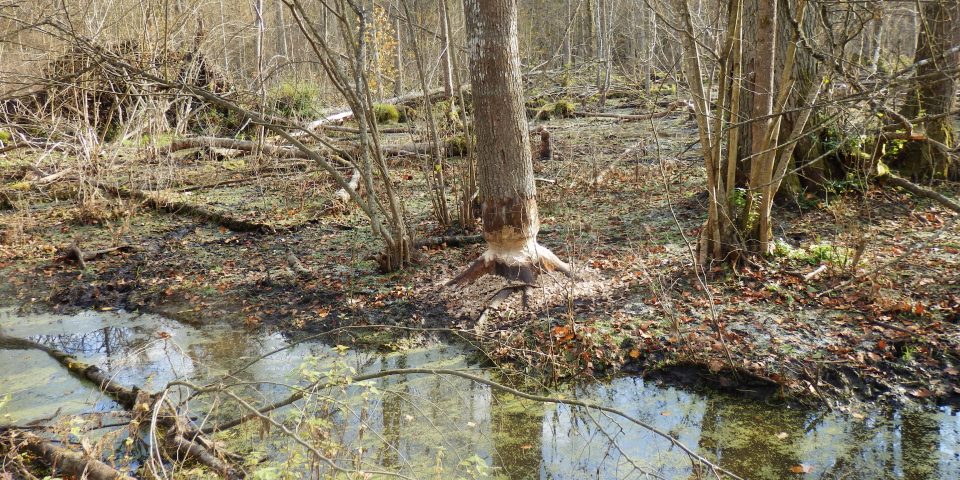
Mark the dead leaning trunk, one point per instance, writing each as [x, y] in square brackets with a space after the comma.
[507, 188]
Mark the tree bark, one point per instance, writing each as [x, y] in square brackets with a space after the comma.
[507, 187]
[935, 93]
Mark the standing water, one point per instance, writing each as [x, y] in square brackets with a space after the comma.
[436, 426]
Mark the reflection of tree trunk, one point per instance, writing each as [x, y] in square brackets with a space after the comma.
[392, 414]
[517, 435]
[919, 444]
[748, 439]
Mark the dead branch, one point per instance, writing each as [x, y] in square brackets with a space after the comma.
[73, 253]
[298, 267]
[162, 202]
[245, 146]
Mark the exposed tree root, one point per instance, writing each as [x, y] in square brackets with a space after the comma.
[496, 300]
[63, 460]
[180, 440]
[524, 264]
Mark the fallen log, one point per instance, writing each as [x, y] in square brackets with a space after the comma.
[73, 253]
[448, 240]
[410, 149]
[65, 461]
[183, 442]
[246, 146]
[346, 113]
[633, 118]
[162, 202]
[336, 128]
[891, 179]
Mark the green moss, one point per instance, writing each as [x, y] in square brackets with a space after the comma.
[5, 136]
[385, 113]
[456, 146]
[296, 99]
[559, 109]
[664, 89]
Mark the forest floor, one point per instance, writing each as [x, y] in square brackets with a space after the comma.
[623, 203]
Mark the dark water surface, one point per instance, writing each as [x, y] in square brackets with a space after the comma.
[427, 426]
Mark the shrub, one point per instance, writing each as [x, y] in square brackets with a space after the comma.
[385, 113]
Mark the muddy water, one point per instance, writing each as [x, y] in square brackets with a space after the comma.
[441, 427]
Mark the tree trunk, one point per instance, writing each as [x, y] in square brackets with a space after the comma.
[509, 204]
[446, 62]
[935, 93]
[876, 37]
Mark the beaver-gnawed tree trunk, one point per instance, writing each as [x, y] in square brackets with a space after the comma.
[933, 98]
[505, 168]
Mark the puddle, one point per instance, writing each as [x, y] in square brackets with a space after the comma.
[427, 426]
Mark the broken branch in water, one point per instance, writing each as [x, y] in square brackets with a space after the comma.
[183, 443]
[63, 460]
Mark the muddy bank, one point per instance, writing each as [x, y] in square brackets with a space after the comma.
[860, 300]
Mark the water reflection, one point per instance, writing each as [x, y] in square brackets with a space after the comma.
[443, 427]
